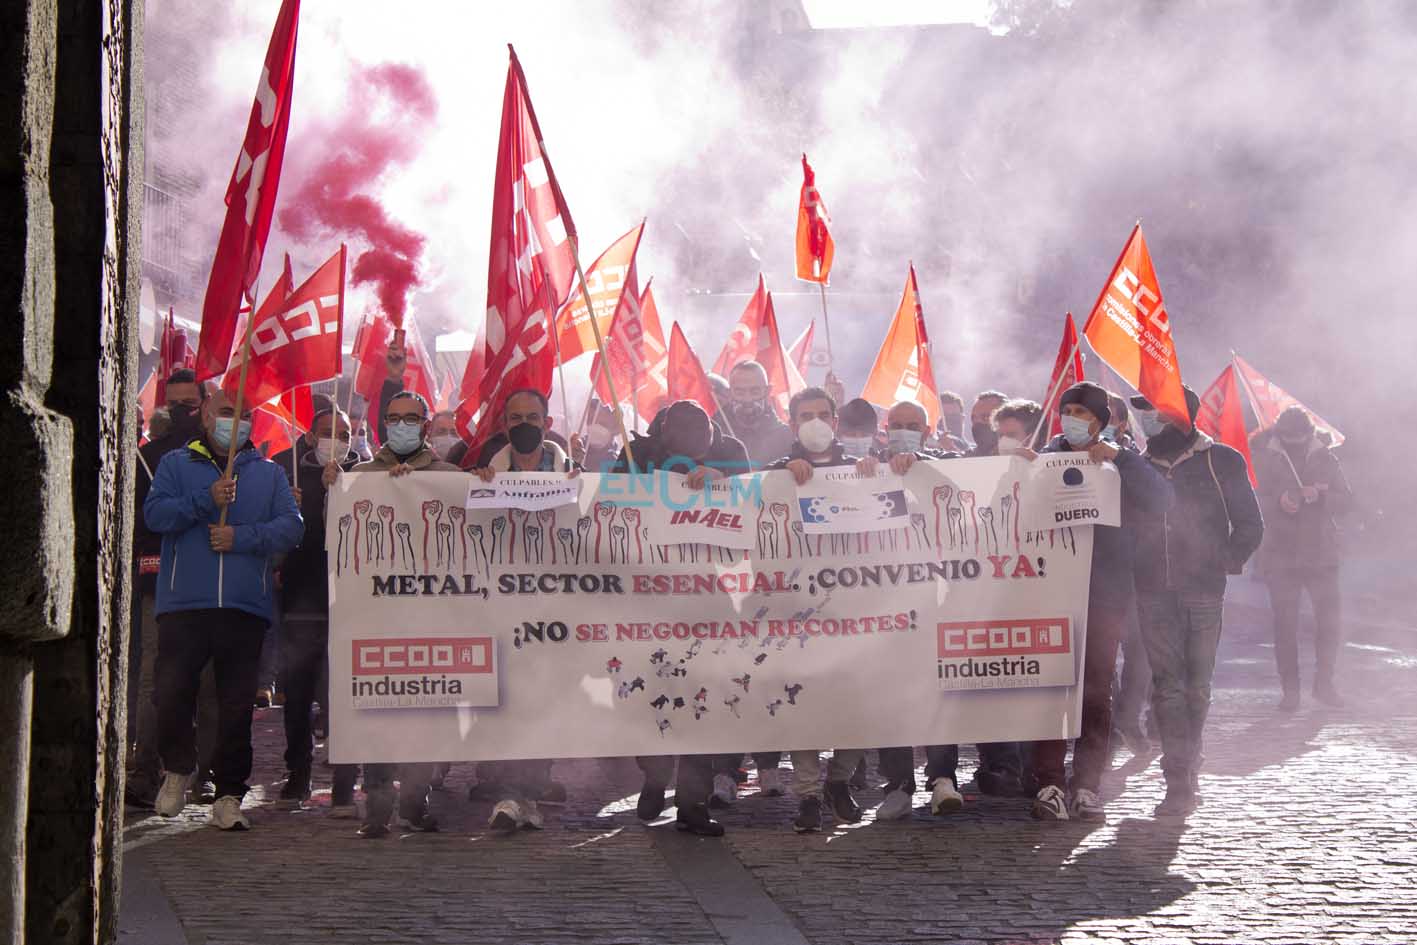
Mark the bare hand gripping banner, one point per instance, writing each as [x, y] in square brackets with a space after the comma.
[949, 605]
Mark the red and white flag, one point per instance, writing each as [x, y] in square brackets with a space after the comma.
[801, 351]
[639, 358]
[174, 354]
[250, 198]
[1067, 371]
[903, 370]
[1130, 329]
[611, 282]
[1222, 416]
[686, 377]
[815, 246]
[1269, 400]
[530, 266]
[756, 338]
[296, 336]
[371, 345]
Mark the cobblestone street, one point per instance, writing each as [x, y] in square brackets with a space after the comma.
[1307, 834]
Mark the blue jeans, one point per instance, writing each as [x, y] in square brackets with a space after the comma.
[1182, 632]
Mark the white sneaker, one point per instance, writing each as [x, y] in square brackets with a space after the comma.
[770, 782]
[897, 805]
[1050, 804]
[531, 816]
[1086, 805]
[172, 796]
[226, 814]
[945, 798]
[725, 789]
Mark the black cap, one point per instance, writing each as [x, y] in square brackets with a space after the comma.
[1092, 397]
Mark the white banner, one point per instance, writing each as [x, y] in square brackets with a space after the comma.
[581, 631]
[528, 491]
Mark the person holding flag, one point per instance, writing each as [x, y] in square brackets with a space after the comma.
[1183, 555]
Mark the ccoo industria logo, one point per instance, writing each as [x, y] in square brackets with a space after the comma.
[423, 672]
[1005, 654]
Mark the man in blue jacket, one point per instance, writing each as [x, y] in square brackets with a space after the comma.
[214, 593]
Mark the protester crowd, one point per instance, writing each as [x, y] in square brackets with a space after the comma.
[223, 558]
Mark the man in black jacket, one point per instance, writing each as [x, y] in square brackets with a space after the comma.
[752, 417]
[1183, 556]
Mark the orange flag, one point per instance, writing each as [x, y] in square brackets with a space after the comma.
[1223, 416]
[756, 338]
[607, 279]
[815, 247]
[801, 350]
[1269, 399]
[1130, 329]
[903, 370]
[638, 356]
[1067, 371]
[686, 377]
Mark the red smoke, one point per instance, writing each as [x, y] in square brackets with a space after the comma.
[388, 107]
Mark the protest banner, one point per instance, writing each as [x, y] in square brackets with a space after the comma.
[591, 628]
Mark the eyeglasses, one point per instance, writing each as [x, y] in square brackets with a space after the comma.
[409, 418]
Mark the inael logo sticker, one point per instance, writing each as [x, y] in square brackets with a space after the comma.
[424, 672]
[1005, 654]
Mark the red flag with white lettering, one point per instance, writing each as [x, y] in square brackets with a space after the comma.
[250, 198]
[686, 379]
[1067, 371]
[1222, 416]
[296, 339]
[529, 267]
[639, 359]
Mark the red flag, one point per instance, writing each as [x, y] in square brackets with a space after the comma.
[1067, 371]
[296, 338]
[250, 198]
[903, 370]
[801, 350]
[1130, 329]
[815, 247]
[756, 338]
[612, 284]
[147, 403]
[371, 344]
[638, 357]
[529, 267]
[1223, 416]
[174, 354]
[686, 378]
[1269, 399]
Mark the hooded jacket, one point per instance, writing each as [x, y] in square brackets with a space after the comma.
[179, 506]
[1211, 528]
[652, 451]
[1310, 537]
[147, 544]
[1145, 494]
[767, 439]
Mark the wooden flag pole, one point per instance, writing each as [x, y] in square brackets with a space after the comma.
[826, 323]
[604, 356]
[556, 343]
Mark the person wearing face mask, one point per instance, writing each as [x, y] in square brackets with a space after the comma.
[1183, 556]
[443, 437]
[600, 446]
[405, 450]
[681, 438]
[752, 417]
[525, 422]
[1085, 412]
[814, 424]
[305, 608]
[1302, 491]
[214, 596]
[359, 441]
[1015, 424]
[184, 397]
[981, 427]
[949, 433]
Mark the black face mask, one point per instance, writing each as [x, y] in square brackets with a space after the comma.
[184, 418]
[984, 437]
[748, 411]
[525, 437]
[1169, 442]
[955, 424]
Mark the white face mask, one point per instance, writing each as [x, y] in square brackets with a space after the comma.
[331, 449]
[599, 437]
[1008, 444]
[904, 441]
[443, 443]
[858, 446]
[816, 435]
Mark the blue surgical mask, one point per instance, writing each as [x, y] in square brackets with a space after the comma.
[1151, 423]
[405, 439]
[221, 432]
[1077, 431]
[858, 446]
[904, 441]
[1109, 432]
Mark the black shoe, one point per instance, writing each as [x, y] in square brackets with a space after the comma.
[1290, 702]
[297, 787]
[651, 802]
[553, 793]
[205, 792]
[1180, 801]
[844, 806]
[858, 778]
[378, 809]
[809, 815]
[695, 819]
[372, 831]
[998, 783]
[1328, 695]
[420, 821]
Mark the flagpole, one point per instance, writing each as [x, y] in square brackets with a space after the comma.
[354, 376]
[600, 346]
[234, 448]
[826, 323]
[1053, 392]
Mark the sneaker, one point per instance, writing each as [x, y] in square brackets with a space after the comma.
[296, 791]
[226, 814]
[651, 802]
[1328, 695]
[725, 791]
[844, 806]
[1086, 805]
[263, 698]
[531, 816]
[897, 805]
[506, 817]
[770, 782]
[858, 777]
[172, 796]
[809, 815]
[1290, 702]
[1180, 801]
[696, 819]
[1050, 804]
[378, 810]
[945, 798]
[204, 791]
